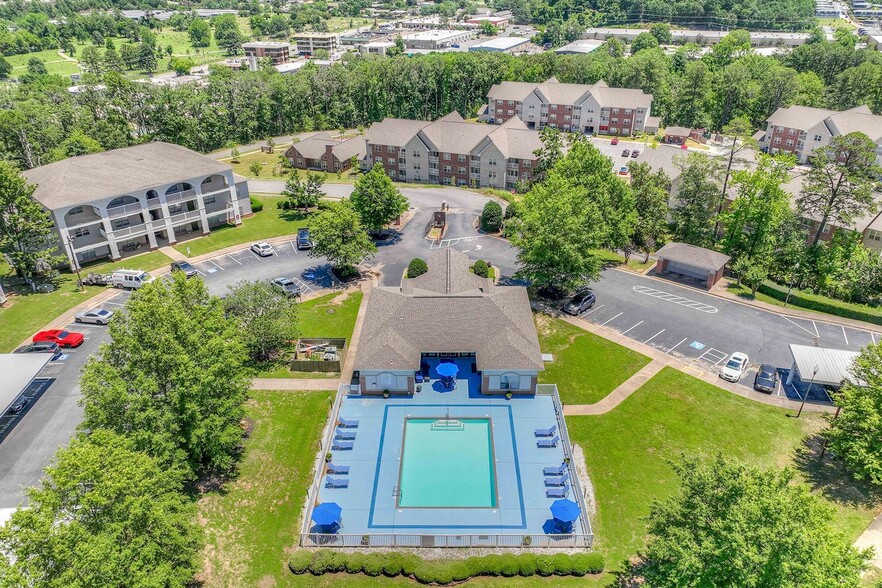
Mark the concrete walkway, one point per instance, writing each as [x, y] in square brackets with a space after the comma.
[872, 537]
[614, 398]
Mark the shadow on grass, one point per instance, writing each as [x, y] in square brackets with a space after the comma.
[829, 476]
[292, 216]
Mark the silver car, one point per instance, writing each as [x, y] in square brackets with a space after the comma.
[96, 316]
[262, 249]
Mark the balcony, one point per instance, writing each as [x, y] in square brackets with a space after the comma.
[94, 220]
[180, 196]
[132, 231]
[124, 210]
[185, 217]
[433, 159]
[153, 204]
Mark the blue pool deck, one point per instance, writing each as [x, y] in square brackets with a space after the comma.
[369, 501]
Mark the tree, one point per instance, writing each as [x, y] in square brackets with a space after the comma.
[181, 65]
[234, 155]
[226, 31]
[105, 514]
[491, 217]
[377, 200]
[304, 194]
[417, 267]
[199, 33]
[662, 33]
[693, 214]
[740, 130]
[854, 435]
[551, 150]
[736, 525]
[265, 317]
[488, 28]
[92, 60]
[36, 67]
[839, 186]
[644, 40]
[27, 237]
[172, 378]
[651, 193]
[5, 68]
[337, 234]
[78, 143]
[146, 57]
[255, 168]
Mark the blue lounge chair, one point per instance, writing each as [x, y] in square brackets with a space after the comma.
[338, 445]
[558, 492]
[348, 424]
[341, 434]
[336, 483]
[557, 471]
[558, 480]
[547, 442]
[338, 469]
[546, 432]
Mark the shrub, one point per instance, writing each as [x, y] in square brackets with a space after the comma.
[459, 571]
[373, 565]
[300, 562]
[482, 269]
[409, 563]
[392, 564]
[805, 299]
[355, 562]
[545, 565]
[510, 565]
[424, 573]
[492, 565]
[443, 572]
[325, 562]
[562, 564]
[491, 217]
[416, 267]
[256, 205]
[528, 564]
[513, 210]
[587, 563]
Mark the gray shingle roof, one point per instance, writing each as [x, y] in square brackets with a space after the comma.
[394, 131]
[858, 119]
[314, 147]
[448, 309]
[693, 255]
[511, 91]
[799, 117]
[87, 178]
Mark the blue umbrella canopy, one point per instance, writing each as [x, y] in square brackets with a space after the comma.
[447, 370]
[565, 511]
[327, 513]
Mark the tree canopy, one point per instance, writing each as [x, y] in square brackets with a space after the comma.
[266, 317]
[377, 200]
[338, 235]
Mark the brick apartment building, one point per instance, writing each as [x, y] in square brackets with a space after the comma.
[323, 152]
[277, 51]
[571, 107]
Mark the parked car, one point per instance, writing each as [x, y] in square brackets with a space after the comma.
[303, 240]
[20, 403]
[615, 141]
[626, 152]
[635, 154]
[133, 279]
[262, 249]
[287, 286]
[734, 367]
[42, 347]
[96, 316]
[623, 170]
[580, 303]
[63, 338]
[185, 267]
[766, 379]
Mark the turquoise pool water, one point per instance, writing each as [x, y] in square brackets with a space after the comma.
[447, 465]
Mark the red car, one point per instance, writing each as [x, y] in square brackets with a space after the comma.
[63, 338]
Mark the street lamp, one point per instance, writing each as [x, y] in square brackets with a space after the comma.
[76, 265]
[809, 389]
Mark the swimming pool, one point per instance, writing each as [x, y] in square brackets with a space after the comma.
[447, 463]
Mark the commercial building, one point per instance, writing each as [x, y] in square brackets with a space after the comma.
[435, 39]
[571, 107]
[117, 202]
[579, 47]
[502, 45]
[308, 42]
[376, 47]
[702, 37]
[323, 152]
[277, 51]
[692, 262]
[499, 22]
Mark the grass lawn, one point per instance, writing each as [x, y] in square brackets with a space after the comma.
[627, 451]
[272, 168]
[848, 309]
[611, 258]
[836, 23]
[55, 64]
[270, 222]
[586, 367]
[26, 312]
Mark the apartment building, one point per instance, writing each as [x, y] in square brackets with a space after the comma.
[571, 107]
[308, 42]
[454, 152]
[128, 200]
[800, 129]
[323, 152]
[277, 51]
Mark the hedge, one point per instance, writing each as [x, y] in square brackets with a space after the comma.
[822, 303]
[416, 267]
[256, 205]
[481, 269]
[393, 564]
[491, 217]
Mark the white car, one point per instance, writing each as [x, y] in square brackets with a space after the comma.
[96, 316]
[734, 367]
[263, 249]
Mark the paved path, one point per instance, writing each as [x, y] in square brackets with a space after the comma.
[614, 398]
[872, 537]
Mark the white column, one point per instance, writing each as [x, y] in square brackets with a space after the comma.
[234, 202]
[792, 374]
[108, 229]
[145, 214]
[166, 216]
[64, 235]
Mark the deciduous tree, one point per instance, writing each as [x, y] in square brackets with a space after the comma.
[697, 197]
[377, 200]
[199, 33]
[651, 193]
[338, 235]
[302, 193]
[267, 318]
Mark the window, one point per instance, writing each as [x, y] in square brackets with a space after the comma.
[460, 158]
[510, 112]
[476, 170]
[446, 157]
[416, 154]
[777, 140]
[402, 173]
[532, 106]
[91, 254]
[378, 147]
[510, 382]
[447, 169]
[525, 176]
[791, 131]
[491, 161]
[614, 121]
[615, 110]
[513, 172]
[569, 109]
[324, 164]
[790, 142]
[511, 102]
[80, 232]
[627, 121]
[491, 175]
[527, 163]
[390, 149]
[120, 223]
[213, 199]
[817, 137]
[76, 210]
[589, 110]
[460, 170]
[553, 117]
[627, 111]
[300, 161]
[336, 166]
[567, 117]
[416, 167]
[874, 235]
[391, 161]
[826, 229]
[386, 380]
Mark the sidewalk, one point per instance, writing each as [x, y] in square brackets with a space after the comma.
[614, 398]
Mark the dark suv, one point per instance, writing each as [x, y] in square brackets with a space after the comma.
[303, 240]
[766, 379]
[580, 303]
[42, 347]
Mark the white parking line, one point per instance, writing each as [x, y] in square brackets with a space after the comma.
[215, 265]
[293, 246]
[637, 325]
[114, 303]
[612, 319]
[715, 356]
[596, 308]
[199, 271]
[817, 334]
[873, 337]
[667, 296]
[801, 327]
[230, 255]
[654, 336]
[844, 335]
[677, 345]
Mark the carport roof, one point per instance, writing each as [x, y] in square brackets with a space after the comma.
[18, 370]
[692, 255]
[834, 365]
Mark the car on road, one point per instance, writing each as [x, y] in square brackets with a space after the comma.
[626, 152]
[766, 379]
[63, 338]
[184, 267]
[580, 303]
[303, 240]
[635, 154]
[734, 367]
[42, 347]
[96, 316]
[262, 249]
[287, 286]
[20, 403]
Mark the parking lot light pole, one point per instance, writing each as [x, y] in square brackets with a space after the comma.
[804, 396]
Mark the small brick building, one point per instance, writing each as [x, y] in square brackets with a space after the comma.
[691, 261]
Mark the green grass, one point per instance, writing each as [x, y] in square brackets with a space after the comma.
[627, 452]
[342, 23]
[836, 23]
[611, 258]
[26, 312]
[251, 523]
[812, 303]
[55, 64]
[586, 367]
[270, 222]
[271, 167]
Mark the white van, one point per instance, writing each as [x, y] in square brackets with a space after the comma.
[133, 279]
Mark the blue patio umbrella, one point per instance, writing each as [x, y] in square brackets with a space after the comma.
[565, 511]
[327, 513]
[447, 370]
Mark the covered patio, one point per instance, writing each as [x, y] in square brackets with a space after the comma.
[816, 371]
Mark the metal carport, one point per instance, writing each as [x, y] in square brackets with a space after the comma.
[19, 371]
[817, 365]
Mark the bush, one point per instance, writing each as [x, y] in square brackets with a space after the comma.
[392, 564]
[256, 205]
[545, 565]
[416, 267]
[482, 269]
[424, 573]
[373, 565]
[528, 563]
[460, 571]
[355, 562]
[325, 562]
[805, 299]
[492, 565]
[511, 565]
[562, 564]
[586, 563]
[491, 217]
[300, 562]
[409, 563]
[513, 210]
